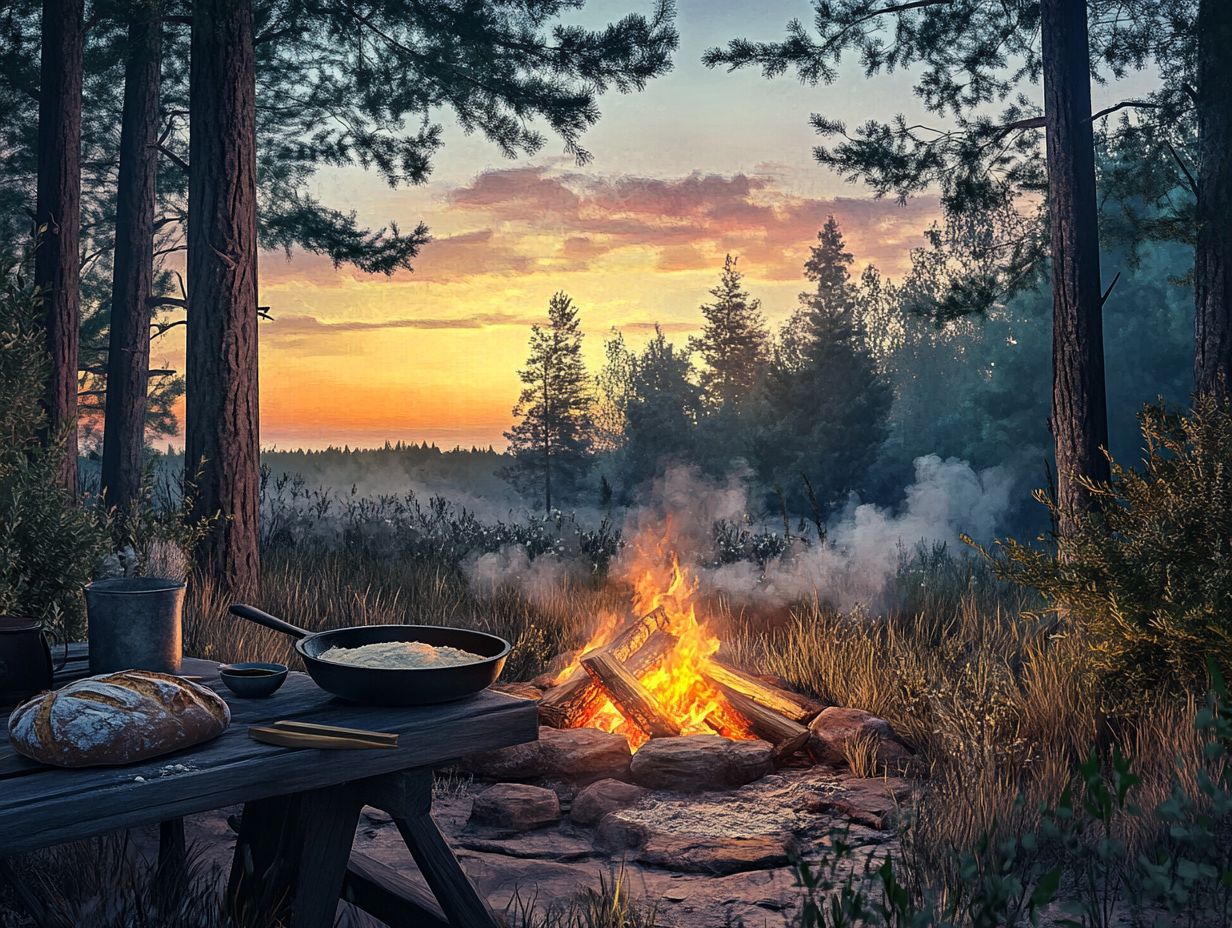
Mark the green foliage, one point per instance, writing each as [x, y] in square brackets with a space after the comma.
[1075, 869]
[733, 344]
[976, 67]
[1146, 579]
[551, 444]
[50, 545]
[653, 398]
[826, 402]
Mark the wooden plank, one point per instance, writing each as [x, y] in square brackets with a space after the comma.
[460, 901]
[261, 872]
[390, 896]
[327, 819]
[797, 707]
[629, 696]
[42, 806]
[566, 705]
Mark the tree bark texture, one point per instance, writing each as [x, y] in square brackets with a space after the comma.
[128, 354]
[1079, 405]
[1213, 254]
[57, 262]
[222, 462]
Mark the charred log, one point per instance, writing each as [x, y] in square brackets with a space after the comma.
[572, 702]
[787, 736]
[794, 706]
[628, 695]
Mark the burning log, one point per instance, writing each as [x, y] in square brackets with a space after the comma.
[628, 695]
[572, 702]
[584, 703]
[787, 736]
[795, 707]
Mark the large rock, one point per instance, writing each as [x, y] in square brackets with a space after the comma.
[602, 797]
[837, 729]
[515, 807]
[692, 763]
[870, 801]
[717, 856]
[578, 755]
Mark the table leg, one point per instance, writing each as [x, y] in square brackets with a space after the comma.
[172, 851]
[260, 870]
[453, 889]
[327, 818]
[291, 856]
[407, 797]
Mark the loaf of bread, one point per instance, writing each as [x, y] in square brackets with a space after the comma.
[117, 718]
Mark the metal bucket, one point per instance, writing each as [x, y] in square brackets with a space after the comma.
[135, 624]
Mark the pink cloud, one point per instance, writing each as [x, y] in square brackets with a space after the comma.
[693, 219]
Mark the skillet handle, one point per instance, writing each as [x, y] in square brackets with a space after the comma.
[253, 614]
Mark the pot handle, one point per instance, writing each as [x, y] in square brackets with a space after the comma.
[253, 614]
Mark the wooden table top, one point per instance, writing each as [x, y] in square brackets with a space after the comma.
[41, 806]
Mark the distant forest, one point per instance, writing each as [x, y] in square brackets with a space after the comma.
[863, 378]
[892, 385]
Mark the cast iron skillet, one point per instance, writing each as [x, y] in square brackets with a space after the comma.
[386, 687]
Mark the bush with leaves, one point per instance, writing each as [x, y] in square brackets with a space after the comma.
[50, 545]
[1076, 869]
[1146, 578]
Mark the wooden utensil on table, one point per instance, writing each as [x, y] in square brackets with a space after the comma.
[289, 734]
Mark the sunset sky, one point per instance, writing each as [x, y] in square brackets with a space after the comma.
[699, 164]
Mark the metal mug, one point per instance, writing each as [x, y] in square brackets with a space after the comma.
[26, 668]
[135, 624]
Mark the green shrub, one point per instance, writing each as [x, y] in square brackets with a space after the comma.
[50, 545]
[1146, 578]
[1076, 869]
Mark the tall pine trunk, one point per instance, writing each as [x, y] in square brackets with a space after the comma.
[221, 449]
[1213, 255]
[57, 261]
[128, 355]
[1079, 419]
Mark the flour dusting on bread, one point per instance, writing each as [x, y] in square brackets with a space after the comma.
[118, 718]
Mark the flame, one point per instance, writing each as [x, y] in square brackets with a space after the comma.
[676, 683]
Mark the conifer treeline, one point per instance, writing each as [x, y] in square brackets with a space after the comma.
[804, 409]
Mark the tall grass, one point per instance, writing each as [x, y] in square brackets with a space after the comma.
[996, 703]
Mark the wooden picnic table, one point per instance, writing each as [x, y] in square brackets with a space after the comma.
[301, 805]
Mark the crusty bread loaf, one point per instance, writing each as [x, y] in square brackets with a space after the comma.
[117, 718]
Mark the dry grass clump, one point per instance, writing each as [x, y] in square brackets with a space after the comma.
[996, 702]
[323, 590]
[106, 883]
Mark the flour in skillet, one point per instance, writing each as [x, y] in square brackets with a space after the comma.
[400, 655]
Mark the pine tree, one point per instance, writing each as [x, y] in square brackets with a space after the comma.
[827, 403]
[552, 442]
[57, 215]
[660, 405]
[734, 342]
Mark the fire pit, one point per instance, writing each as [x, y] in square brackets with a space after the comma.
[657, 676]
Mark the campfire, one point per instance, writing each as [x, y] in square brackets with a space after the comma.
[656, 675]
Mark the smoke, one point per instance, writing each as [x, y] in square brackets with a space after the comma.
[864, 545]
[542, 580]
[862, 551]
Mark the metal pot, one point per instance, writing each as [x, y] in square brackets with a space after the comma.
[135, 624]
[25, 660]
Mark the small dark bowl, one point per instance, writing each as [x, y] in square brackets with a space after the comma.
[248, 686]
